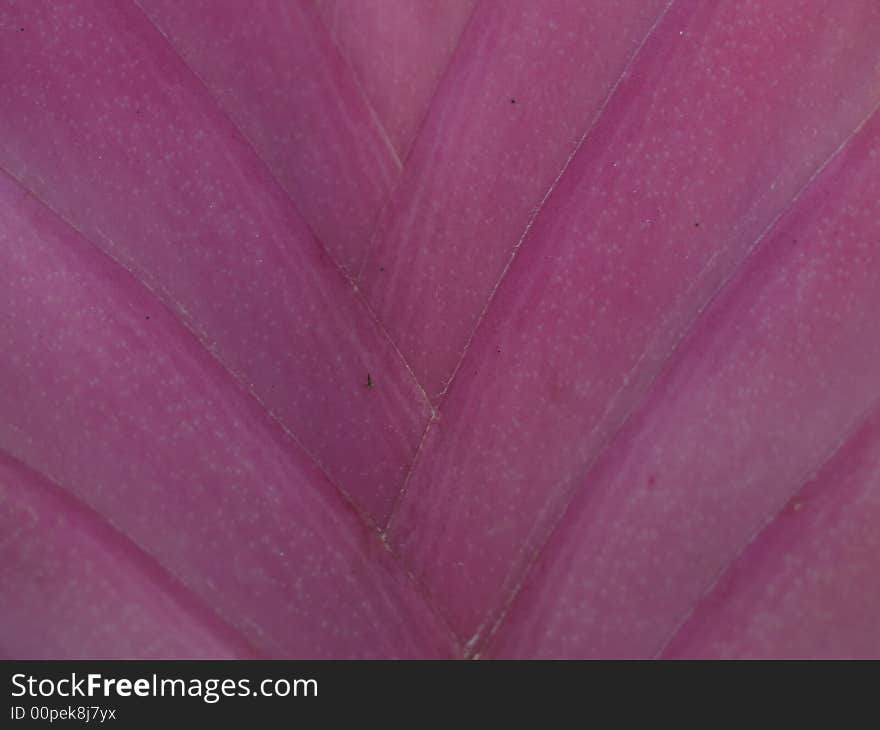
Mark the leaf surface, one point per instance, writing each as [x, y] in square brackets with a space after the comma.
[781, 372]
[104, 122]
[73, 588]
[107, 394]
[708, 140]
[336, 328]
[399, 50]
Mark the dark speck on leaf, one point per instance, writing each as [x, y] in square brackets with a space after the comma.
[696, 225]
[513, 101]
[147, 316]
[381, 268]
[369, 383]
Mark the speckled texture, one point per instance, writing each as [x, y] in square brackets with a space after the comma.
[195, 473]
[780, 372]
[807, 586]
[521, 91]
[275, 71]
[449, 329]
[73, 588]
[105, 123]
[669, 193]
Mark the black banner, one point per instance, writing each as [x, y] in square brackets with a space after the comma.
[123, 694]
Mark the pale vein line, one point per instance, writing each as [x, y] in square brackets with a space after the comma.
[409, 473]
[358, 82]
[392, 195]
[442, 77]
[434, 413]
[675, 353]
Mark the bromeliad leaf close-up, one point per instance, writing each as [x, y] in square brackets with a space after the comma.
[439, 329]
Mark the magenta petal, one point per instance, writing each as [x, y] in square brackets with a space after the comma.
[103, 122]
[670, 192]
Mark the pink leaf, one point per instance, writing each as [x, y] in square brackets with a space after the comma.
[781, 369]
[671, 190]
[515, 329]
[107, 394]
[525, 85]
[105, 123]
[72, 587]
